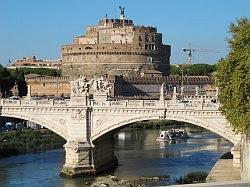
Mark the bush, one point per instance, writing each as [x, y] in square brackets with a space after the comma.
[193, 177]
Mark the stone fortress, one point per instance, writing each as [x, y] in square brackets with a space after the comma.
[132, 57]
[116, 47]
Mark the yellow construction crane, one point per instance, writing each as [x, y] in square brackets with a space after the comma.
[190, 51]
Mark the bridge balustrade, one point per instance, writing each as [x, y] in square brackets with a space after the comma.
[135, 103]
[28, 103]
[9, 102]
[100, 103]
[151, 103]
[171, 104]
[61, 102]
[118, 103]
[43, 102]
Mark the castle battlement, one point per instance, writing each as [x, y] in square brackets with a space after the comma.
[48, 79]
[199, 80]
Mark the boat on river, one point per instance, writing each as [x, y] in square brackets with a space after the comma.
[172, 134]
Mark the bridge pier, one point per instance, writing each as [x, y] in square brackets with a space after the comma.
[78, 159]
[104, 157]
[85, 158]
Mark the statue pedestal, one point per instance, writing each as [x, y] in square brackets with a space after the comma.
[79, 100]
[100, 96]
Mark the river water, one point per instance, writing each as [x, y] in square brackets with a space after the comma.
[138, 153]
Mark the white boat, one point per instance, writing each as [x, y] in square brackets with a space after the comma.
[172, 135]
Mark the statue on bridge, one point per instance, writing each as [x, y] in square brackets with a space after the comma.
[83, 86]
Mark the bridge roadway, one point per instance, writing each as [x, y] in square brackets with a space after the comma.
[90, 118]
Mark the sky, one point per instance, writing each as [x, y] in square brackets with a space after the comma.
[40, 27]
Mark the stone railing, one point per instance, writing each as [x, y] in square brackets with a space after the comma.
[170, 104]
[127, 104]
[42, 102]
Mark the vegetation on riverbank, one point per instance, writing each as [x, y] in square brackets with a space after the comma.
[158, 124]
[193, 177]
[12, 143]
[154, 124]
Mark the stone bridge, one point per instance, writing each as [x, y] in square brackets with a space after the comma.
[89, 119]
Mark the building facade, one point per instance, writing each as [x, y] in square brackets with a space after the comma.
[116, 47]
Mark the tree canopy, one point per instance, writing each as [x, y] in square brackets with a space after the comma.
[233, 77]
[193, 69]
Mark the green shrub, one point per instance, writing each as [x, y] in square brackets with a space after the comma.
[193, 177]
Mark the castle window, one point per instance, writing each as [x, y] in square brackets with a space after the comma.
[140, 38]
[80, 48]
[43, 84]
[88, 47]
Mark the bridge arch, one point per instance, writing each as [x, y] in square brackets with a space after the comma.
[221, 128]
[49, 124]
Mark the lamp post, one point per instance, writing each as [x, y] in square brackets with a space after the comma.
[57, 78]
[182, 83]
[187, 81]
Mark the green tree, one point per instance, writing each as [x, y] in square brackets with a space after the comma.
[233, 77]
[194, 69]
[39, 71]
